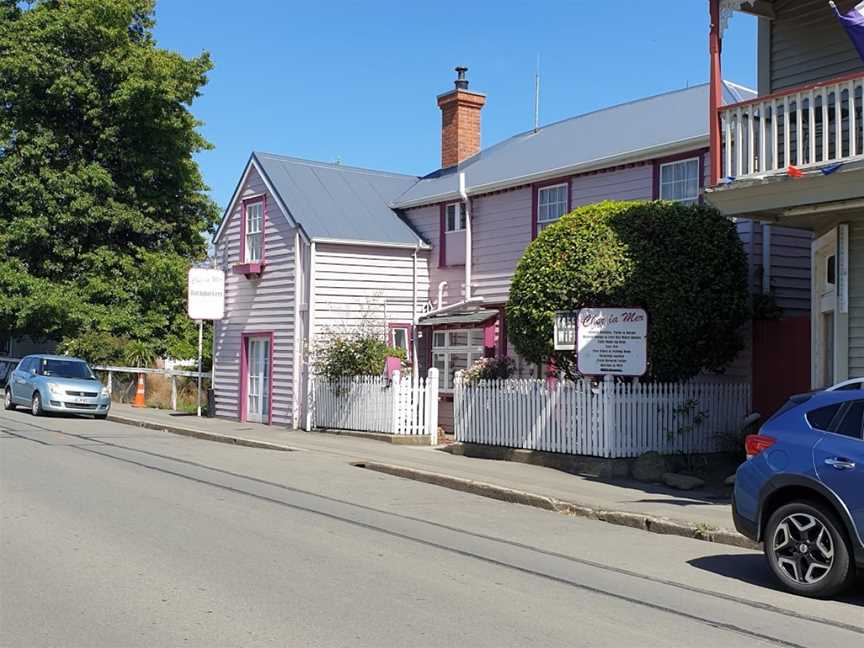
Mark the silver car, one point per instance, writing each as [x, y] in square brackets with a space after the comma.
[45, 383]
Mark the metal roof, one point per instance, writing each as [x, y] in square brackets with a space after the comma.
[466, 317]
[337, 202]
[629, 131]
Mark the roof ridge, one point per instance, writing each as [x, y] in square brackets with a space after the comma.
[331, 165]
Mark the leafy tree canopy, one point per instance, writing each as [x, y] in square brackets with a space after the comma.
[684, 264]
[102, 205]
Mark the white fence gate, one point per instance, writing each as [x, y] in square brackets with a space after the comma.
[603, 419]
[401, 405]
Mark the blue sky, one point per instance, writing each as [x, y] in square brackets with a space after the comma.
[357, 81]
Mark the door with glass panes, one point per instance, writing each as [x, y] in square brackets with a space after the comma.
[258, 379]
[455, 350]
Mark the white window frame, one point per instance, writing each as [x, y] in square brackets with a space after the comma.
[406, 329]
[473, 352]
[687, 200]
[249, 233]
[458, 210]
[564, 205]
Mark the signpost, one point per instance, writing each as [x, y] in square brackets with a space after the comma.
[205, 301]
[612, 341]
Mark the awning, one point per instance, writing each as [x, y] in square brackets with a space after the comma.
[466, 318]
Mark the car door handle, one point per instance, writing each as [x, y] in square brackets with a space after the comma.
[838, 463]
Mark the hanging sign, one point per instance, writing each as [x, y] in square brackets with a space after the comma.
[612, 341]
[565, 330]
[206, 296]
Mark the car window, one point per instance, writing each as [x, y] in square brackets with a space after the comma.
[25, 365]
[851, 424]
[850, 386]
[64, 369]
[821, 418]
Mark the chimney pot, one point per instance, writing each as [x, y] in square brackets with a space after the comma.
[461, 82]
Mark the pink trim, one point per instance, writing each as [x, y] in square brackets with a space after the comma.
[251, 269]
[502, 332]
[442, 236]
[244, 371]
[699, 154]
[535, 198]
[715, 48]
[400, 325]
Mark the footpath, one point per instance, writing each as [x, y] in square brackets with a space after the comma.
[652, 507]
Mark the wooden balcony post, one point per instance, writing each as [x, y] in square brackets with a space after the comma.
[715, 47]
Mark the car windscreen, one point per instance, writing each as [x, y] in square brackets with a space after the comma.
[65, 369]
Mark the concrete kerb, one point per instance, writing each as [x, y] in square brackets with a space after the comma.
[200, 434]
[641, 521]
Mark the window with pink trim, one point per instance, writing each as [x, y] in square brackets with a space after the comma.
[400, 338]
[253, 232]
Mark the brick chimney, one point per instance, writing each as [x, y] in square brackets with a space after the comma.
[460, 121]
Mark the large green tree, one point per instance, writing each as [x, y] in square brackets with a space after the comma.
[683, 263]
[102, 205]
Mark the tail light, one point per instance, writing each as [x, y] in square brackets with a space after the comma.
[756, 443]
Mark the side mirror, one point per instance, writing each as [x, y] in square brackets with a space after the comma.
[33, 372]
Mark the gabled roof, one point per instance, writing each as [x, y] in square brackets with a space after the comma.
[333, 201]
[626, 132]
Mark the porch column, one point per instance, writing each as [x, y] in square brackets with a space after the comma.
[715, 47]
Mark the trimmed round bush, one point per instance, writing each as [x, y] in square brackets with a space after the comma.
[684, 264]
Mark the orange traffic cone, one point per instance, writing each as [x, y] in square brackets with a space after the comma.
[138, 401]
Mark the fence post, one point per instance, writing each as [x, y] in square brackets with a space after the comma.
[395, 384]
[432, 405]
[173, 392]
[608, 415]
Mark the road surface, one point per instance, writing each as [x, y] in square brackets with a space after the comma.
[113, 535]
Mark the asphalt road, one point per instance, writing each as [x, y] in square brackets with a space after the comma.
[116, 536]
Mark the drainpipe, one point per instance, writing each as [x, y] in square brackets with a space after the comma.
[766, 258]
[441, 286]
[467, 202]
[310, 334]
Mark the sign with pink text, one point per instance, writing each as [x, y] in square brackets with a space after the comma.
[612, 341]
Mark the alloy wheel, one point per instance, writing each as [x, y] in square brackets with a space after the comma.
[36, 406]
[804, 548]
[7, 399]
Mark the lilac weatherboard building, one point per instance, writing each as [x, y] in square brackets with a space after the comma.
[312, 248]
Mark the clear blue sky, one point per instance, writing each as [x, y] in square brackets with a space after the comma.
[358, 80]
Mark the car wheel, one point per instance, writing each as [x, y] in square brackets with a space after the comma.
[7, 400]
[36, 405]
[807, 550]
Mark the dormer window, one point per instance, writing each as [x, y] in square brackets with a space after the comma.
[254, 231]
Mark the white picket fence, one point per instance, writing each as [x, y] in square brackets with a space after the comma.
[401, 405]
[603, 419]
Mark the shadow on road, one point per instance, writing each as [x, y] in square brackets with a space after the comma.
[752, 568]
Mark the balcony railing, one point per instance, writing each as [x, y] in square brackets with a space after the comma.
[810, 126]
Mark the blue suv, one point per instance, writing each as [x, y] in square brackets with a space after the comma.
[801, 492]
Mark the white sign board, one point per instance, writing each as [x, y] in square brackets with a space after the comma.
[612, 341]
[565, 330]
[206, 296]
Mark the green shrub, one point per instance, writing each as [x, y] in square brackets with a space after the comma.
[348, 355]
[685, 265]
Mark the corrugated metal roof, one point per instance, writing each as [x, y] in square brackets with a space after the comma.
[333, 201]
[678, 117]
[467, 317]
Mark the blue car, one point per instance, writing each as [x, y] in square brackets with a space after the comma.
[45, 383]
[801, 492]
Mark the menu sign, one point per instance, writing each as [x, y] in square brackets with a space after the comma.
[612, 341]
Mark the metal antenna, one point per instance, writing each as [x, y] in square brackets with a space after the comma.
[537, 95]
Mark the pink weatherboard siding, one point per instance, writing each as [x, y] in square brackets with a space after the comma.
[244, 374]
[264, 304]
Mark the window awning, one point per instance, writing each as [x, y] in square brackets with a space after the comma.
[467, 318]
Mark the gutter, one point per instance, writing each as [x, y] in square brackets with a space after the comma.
[418, 245]
[639, 155]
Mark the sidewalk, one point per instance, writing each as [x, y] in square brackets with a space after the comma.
[653, 507]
